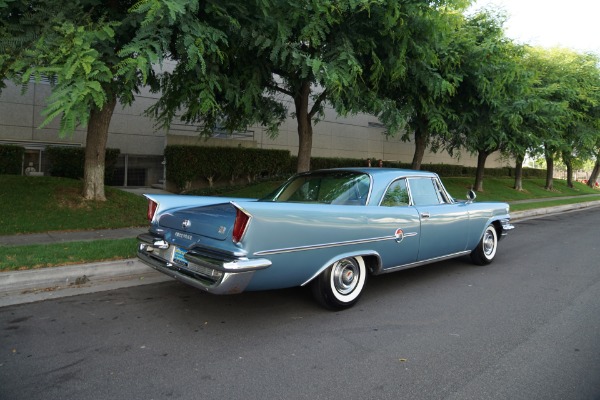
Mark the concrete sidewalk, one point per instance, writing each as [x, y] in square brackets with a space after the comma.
[71, 236]
[17, 287]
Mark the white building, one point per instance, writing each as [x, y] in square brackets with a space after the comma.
[141, 143]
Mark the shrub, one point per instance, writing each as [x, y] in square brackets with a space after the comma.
[187, 164]
[69, 162]
[11, 159]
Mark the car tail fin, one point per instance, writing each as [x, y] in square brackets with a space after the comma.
[152, 206]
[241, 224]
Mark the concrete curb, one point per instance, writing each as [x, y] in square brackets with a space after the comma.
[516, 216]
[17, 287]
[70, 274]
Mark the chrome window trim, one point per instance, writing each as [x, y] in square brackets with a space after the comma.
[410, 202]
[286, 184]
[438, 185]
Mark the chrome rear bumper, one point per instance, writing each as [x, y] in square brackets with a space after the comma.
[211, 273]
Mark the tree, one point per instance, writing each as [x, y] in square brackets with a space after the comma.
[583, 130]
[421, 98]
[98, 53]
[570, 81]
[535, 115]
[317, 53]
[77, 46]
[492, 81]
[595, 173]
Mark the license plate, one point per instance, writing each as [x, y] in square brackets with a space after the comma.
[178, 257]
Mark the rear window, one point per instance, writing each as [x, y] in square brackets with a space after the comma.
[327, 187]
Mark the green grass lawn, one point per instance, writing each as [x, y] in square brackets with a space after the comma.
[43, 204]
[46, 255]
[501, 189]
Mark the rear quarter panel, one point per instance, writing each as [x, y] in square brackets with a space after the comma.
[302, 240]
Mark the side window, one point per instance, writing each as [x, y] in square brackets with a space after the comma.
[424, 191]
[342, 188]
[396, 195]
[443, 197]
[304, 191]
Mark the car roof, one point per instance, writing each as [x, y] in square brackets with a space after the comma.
[385, 172]
[382, 177]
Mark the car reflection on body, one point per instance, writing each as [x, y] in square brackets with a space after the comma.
[328, 229]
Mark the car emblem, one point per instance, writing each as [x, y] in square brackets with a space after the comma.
[186, 224]
[399, 235]
[222, 230]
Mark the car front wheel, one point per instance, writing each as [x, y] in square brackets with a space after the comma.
[485, 251]
[341, 285]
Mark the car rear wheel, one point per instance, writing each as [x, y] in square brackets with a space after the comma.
[341, 285]
[485, 251]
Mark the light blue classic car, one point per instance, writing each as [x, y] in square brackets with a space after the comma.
[328, 229]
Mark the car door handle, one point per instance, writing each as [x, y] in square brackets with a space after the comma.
[425, 215]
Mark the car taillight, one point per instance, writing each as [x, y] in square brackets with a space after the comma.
[240, 225]
[151, 209]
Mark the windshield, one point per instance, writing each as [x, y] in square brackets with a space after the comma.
[328, 187]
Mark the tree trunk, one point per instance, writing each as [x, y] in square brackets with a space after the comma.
[549, 172]
[95, 151]
[595, 173]
[420, 146]
[569, 165]
[305, 132]
[481, 158]
[519, 173]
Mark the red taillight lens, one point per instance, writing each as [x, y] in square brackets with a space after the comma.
[240, 225]
[151, 209]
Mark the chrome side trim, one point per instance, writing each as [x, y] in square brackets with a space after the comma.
[329, 245]
[428, 261]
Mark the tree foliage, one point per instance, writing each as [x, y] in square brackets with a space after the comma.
[419, 101]
[567, 88]
[491, 84]
[77, 47]
[448, 80]
[314, 53]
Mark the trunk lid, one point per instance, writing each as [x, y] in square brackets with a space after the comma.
[213, 221]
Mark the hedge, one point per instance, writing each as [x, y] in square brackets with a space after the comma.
[69, 162]
[187, 164]
[445, 170]
[11, 159]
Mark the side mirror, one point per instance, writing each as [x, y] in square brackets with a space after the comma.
[471, 196]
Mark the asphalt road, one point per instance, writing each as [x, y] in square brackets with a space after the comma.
[525, 327]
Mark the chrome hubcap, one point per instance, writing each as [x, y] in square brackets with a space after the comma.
[345, 276]
[488, 243]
